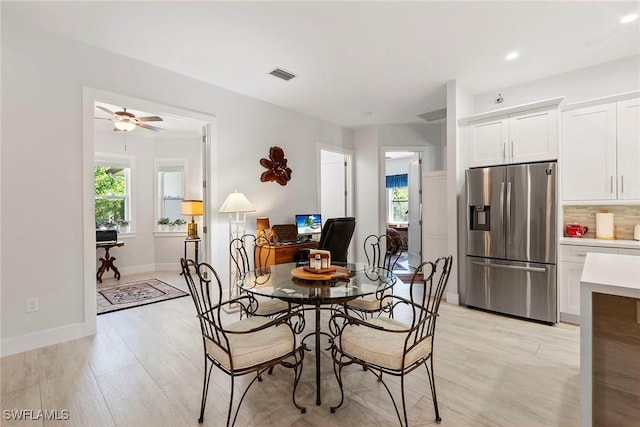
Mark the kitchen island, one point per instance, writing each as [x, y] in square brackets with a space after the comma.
[610, 340]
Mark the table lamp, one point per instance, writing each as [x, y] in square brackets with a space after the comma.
[193, 208]
[262, 223]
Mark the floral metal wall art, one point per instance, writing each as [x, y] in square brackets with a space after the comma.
[277, 169]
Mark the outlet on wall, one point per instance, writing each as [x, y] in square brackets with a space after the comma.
[33, 304]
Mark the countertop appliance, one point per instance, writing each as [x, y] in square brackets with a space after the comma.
[511, 240]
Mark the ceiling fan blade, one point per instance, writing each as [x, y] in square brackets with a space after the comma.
[103, 118]
[106, 110]
[153, 128]
[150, 119]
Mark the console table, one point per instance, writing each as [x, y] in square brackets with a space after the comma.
[107, 260]
[283, 253]
[196, 247]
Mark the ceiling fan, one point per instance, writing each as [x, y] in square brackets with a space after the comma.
[126, 122]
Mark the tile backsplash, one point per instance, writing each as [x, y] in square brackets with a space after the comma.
[625, 218]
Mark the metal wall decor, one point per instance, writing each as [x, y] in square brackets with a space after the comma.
[277, 169]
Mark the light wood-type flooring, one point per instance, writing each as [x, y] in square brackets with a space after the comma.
[144, 368]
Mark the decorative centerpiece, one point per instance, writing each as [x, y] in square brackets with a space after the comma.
[320, 267]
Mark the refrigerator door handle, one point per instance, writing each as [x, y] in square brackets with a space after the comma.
[509, 211]
[502, 202]
[511, 267]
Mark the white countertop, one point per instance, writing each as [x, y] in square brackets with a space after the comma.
[612, 271]
[582, 241]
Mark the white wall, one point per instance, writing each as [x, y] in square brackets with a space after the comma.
[42, 169]
[613, 77]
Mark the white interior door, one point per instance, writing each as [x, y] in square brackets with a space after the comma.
[336, 184]
[333, 185]
[415, 213]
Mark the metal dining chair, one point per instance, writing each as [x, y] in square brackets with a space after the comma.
[381, 251]
[260, 249]
[251, 345]
[386, 346]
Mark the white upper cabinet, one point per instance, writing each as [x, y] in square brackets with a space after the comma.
[533, 136]
[523, 134]
[488, 142]
[601, 152]
[628, 149]
[589, 153]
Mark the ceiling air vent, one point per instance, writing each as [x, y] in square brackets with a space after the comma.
[282, 74]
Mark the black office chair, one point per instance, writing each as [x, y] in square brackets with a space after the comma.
[336, 237]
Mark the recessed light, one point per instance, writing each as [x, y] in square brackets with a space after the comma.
[629, 18]
[511, 56]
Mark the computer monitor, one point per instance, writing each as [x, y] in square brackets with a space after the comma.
[308, 225]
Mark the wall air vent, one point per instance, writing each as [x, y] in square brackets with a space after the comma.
[282, 74]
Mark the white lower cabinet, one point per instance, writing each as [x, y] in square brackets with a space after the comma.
[570, 264]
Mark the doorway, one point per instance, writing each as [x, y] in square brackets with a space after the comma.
[163, 173]
[402, 199]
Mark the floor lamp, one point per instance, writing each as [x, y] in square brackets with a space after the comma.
[236, 203]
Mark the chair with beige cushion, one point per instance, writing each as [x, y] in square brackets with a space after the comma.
[239, 347]
[381, 251]
[259, 247]
[396, 346]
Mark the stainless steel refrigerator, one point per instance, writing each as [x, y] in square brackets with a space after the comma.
[511, 240]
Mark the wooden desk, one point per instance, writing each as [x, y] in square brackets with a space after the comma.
[107, 261]
[282, 254]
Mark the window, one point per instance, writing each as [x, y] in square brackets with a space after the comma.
[112, 190]
[398, 204]
[397, 198]
[171, 186]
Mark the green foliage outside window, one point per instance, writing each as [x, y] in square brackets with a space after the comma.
[400, 202]
[110, 187]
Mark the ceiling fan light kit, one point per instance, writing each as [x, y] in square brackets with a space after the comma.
[126, 122]
[124, 125]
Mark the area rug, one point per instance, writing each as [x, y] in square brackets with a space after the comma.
[135, 294]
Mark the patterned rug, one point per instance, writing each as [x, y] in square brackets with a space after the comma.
[135, 294]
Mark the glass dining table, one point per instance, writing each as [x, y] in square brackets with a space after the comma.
[283, 281]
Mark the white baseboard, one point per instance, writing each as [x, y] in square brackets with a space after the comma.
[44, 338]
[452, 298]
[169, 266]
[570, 318]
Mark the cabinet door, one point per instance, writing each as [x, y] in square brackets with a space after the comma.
[487, 142]
[533, 136]
[570, 273]
[588, 160]
[628, 148]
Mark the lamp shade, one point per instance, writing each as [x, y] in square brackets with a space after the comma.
[262, 223]
[236, 202]
[192, 207]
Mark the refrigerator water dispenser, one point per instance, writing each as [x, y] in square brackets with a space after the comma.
[480, 218]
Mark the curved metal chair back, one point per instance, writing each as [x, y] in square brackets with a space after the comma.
[426, 290]
[206, 294]
[381, 251]
[241, 247]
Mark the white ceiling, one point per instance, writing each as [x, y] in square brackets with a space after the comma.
[388, 59]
